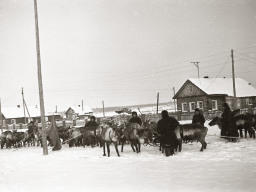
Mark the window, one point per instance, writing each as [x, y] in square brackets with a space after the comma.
[190, 88]
[214, 105]
[200, 104]
[248, 101]
[13, 121]
[184, 107]
[192, 106]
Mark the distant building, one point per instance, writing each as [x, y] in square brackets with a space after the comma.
[15, 115]
[78, 112]
[209, 94]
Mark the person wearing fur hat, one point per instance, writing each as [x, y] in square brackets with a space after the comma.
[198, 117]
[135, 118]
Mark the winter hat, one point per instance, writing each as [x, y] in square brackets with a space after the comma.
[164, 114]
[93, 117]
[197, 109]
[134, 112]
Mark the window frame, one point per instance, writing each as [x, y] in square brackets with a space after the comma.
[248, 101]
[182, 107]
[198, 106]
[190, 106]
[216, 104]
[13, 121]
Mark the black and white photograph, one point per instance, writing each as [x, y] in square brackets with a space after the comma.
[128, 95]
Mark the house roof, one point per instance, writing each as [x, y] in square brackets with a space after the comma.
[17, 112]
[223, 86]
[79, 110]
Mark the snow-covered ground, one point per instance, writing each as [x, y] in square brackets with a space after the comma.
[223, 166]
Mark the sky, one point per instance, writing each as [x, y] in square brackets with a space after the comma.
[121, 51]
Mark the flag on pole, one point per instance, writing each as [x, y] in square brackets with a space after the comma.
[53, 133]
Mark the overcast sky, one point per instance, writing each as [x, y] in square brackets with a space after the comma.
[121, 51]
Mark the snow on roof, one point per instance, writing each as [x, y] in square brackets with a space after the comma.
[17, 112]
[213, 86]
[107, 114]
[85, 110]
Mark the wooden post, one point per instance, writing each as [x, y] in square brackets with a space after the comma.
[40, 84]
[24, 110]
[27, 110]
[103, 109]
[234, 81]
[197, 66]
[1, 120]
[174, 100]
[157, 103]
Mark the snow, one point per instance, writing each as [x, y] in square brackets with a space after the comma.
[224, 86]
[223, 166]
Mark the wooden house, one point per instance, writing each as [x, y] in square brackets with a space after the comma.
[209, 94]
[15, 115]
[78, 112]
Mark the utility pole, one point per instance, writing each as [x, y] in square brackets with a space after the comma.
[1, 120]
[157, 103]
[196, 63]
[56, 111]
[234, 81]
[82, 105]
[174, 99]
[24, 108]
[103, 109]
[40, 84]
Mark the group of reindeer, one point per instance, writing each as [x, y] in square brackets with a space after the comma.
[20, 138]
[104, 135]
[246, 122]
[130, 133]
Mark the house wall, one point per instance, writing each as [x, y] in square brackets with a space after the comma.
[35, 119]
[18, 120]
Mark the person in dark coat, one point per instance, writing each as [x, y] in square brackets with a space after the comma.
[228, 122]
[232, 130]
[135, 118]
[225, 116]
[92, 124]
[198, 117]
[166, 127]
